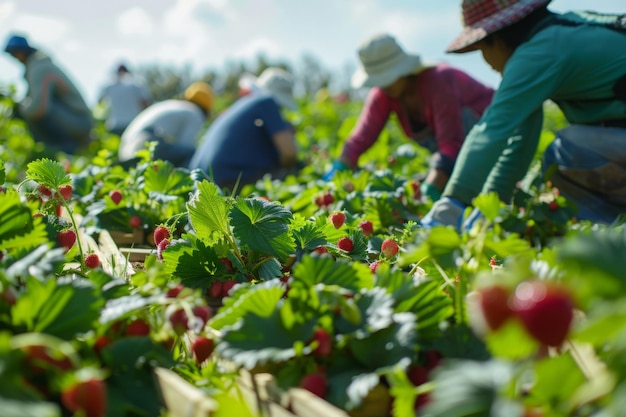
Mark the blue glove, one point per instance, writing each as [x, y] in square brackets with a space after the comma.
[337, 166]
[447, 212]
[474, 216]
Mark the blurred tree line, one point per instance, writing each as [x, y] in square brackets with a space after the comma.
[310, 77]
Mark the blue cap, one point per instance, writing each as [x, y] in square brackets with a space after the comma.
[16, 44]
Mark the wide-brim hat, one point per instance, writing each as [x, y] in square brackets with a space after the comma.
[17, 43]
[383, 61]
[201, 94]
[279, 84]
[484, 17]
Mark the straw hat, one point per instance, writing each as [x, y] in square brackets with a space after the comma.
[201, 94]
[483, 17]
[279, 84]
[383, 61]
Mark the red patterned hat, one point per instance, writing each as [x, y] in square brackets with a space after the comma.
[483, 17]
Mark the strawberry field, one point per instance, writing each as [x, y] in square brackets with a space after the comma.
[329, 287]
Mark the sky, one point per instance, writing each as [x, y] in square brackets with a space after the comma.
[89, 38]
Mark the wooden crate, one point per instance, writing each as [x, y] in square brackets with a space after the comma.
[136, 237]
[181, 398]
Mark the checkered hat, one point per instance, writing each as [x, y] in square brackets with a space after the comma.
[483, 17]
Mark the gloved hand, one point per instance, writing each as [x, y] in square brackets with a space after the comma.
[430, 190]
[474, 216]
[446, 211]
[337, 166]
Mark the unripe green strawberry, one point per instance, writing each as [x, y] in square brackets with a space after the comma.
[92, 261]
[337, 219]
[345, 244]
[202, 348]
[389, 248]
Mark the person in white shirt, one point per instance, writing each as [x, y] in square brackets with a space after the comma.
[124, 99]
[174, 124]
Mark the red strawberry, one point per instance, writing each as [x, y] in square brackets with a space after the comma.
[66, 191]
[203, 312]
[135, 222]
[389, 248]
[88, 397]
[179, 321]
[494, 304]
[66, 238]
[102, 342]
[116, 196]
[227, 263]
[160, 233]
[345, 244]
[138, 328]
[374, 266]
[545, 309]
[315, 383]
[227, 285]
[43, 190]
[41, 357]
[215, 290]
[324, 343]
[320, 250]
[337, 219]
[173, 292]
[417, 192]
[161, 247]
[417, 375]
[328, 199]
[92, 261]
[202, 348]
[367, 227]
[553, 205]
[8, 296]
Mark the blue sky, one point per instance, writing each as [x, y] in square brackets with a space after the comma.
[87, 38]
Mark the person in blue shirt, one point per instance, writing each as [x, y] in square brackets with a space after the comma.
[251, 138]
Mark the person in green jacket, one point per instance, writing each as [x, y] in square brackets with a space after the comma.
[53, 108]
[568, 58]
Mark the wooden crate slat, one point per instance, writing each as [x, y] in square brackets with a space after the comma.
[181, 398]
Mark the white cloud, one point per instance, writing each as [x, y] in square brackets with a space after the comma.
[41, 30]
[135, 21]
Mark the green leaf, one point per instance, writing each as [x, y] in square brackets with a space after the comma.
[388, 346]
[167, 180]
[557, 379]
[263, 226]
[132, 353]
[511, 341]
[193, 262]
[16, 408]
[48, 173]
[262, 300]
[467, 388]
[258, 340]
[489, 205]
[18, 228]
[270, 269]
[3, 175]
[208, 211]
[376, 307]
[119, 307]
[309, 236]
[313, 270]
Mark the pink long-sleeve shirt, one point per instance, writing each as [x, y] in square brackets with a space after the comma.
[443, 93]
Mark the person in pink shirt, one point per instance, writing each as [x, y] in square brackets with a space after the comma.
[436, 105]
